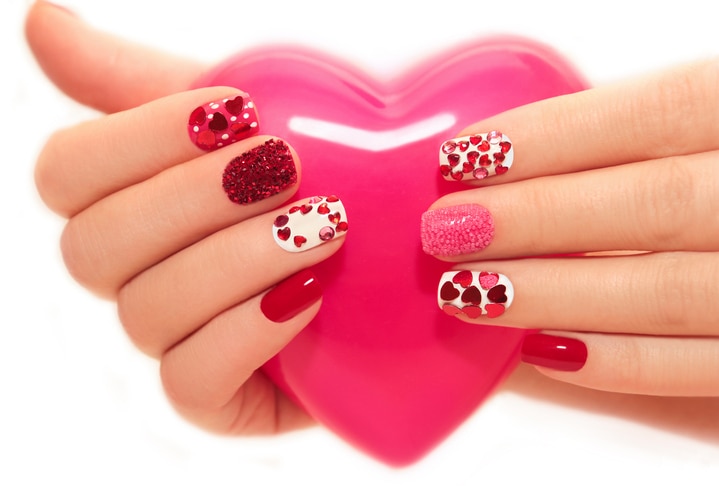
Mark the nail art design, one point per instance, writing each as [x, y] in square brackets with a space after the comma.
[456, 230]
[319, 220]
[474, 294]
[476, 157]
[264, 171]
[222, 122]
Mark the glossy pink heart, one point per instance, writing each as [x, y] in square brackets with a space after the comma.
[381, 365]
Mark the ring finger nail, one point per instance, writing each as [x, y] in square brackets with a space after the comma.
[456, 230]
[474, 294]
[319, 220]
[264, 171]
[476, 157]
[222, 122]
[291, 296]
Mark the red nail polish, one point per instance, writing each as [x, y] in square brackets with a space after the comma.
[554, 352]
[291, 296]
[219, 123]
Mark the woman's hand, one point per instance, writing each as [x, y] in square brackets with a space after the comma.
[629, 171]
[172, 203]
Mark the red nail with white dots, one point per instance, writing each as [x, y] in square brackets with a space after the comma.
[316, 221]
[474, 294]
[223, 122]
[476, 157]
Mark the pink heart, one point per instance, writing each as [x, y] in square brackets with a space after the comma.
[381, 365]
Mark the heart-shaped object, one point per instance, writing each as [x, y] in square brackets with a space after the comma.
[381, 365]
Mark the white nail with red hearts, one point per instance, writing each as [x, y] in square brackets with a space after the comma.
[316, 221]
[476, 157]
[474, 294]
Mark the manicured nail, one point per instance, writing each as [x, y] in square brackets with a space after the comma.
[264, 171]
[554, 352]
[222, 122]
[476, 157]
[456, 230]
[291, 296]
[319, 220]
[474, 294]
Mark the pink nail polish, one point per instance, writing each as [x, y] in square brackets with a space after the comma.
[264, 171]
[555, 352]
[456, 230]
[223, 122]
[291, 296]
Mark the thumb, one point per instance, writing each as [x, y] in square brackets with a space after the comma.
[98, 69]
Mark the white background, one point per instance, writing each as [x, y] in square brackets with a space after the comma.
[78, 405]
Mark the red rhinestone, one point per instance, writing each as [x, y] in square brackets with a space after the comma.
[284, 234]
[457, 176]
[218, 122]
[332, 199]
[506, 147]
[484, 160]
[448, 147]
[498, 158]
[453, 159]
[198, 116]
[294, 209]
[299, 241]
[334, 218]
[235, 106]
[463, 145]
[305, 208]
[323, 209]
[448, 292]
[206, 140]
[445, 170]
[484, 146]
[467, 167]
[342, 226]
[281, 220]
[238, 128]
[472, 157]
[463, 278]
[500, 169]
[472, 295]
[475, 139]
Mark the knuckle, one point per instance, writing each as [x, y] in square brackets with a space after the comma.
[83, 257]
[47, 180]
[668, 195]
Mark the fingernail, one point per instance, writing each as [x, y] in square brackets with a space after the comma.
[264, 171]
[474, 294]
[476, 157]
[223, 122]
[305, 226]
[291, 296]
[456, 230]
[555, 352]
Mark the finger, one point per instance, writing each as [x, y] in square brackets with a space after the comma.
[662, 205]
[672, 113]
[83, 164]
[174, 298]
[78, 58]
[211, 376]
[647, 365]
[653, 294]
[125, 233]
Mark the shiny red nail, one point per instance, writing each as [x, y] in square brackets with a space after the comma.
[219, 123]
[291, 296]
[555, 352]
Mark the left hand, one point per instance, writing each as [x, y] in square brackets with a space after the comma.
[631, 171]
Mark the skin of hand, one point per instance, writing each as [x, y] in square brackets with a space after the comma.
[611, 203]
[150, 227]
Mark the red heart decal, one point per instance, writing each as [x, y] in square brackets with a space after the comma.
[488, 280]
[393, 380]
[472, 296]
[463, 278]
[448, 292]
[235, 105]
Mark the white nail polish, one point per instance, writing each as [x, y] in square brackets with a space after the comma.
[474, 294]
[476, 157]
[305, 226]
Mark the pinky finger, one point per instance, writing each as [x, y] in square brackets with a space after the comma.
[638, 364]
[211, 376]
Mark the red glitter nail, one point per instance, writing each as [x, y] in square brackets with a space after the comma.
[223, 122]
[264, 171]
